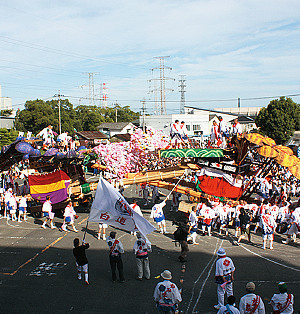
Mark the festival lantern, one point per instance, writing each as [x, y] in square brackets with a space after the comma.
[254, 138]
[284, 149]
[287, 160]
[267, 151]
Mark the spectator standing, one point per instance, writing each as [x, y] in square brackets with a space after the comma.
[224, 277]
[283, 301]
[166, 294]
[141, 249]
[81, 259]
[115, 258]
[251, 303]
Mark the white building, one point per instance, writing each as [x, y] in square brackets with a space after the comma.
[5, 102]
[243, 111]
[112, 128]
[197, 121]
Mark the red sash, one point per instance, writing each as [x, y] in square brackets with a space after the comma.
[207, 221]
[287, 304]
[256, 304]
[113, 247]
[266, 221]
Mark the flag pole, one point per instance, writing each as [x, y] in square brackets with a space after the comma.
[175, 186]
[83, 240]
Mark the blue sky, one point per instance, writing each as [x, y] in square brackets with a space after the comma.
[225, 48]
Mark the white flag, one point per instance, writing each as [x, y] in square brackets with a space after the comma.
[110, 207]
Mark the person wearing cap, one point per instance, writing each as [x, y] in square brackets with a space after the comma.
[283, 301]
[251, 303]
[166, 294]
[268, 225]
[229, 308]
[115, 258]
[224, 276]
[141, 249]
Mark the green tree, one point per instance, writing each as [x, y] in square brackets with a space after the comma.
[88, 118]
[7, 136]
[280, 119]
[124, 114]
[67, 115]
[37, 115]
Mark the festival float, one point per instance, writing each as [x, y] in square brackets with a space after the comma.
[150, 158]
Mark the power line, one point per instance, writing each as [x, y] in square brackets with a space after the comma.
[62, 52]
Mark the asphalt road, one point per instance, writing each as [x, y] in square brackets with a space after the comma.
[38, 273]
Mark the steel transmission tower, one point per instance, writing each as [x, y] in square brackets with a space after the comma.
[91, 88]
[162, 85]
[182, 91]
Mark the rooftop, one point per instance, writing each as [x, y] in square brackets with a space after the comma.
[91, 135]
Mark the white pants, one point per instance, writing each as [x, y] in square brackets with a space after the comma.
[221, 292]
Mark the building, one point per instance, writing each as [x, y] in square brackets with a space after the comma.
[5, 102]
[113, 128]
[91, 138]
[243, 111]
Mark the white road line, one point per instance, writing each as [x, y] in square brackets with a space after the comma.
[204, 282]
[195, 282]
[269, 260]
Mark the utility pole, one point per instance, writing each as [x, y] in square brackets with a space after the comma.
[182, 91]
[116, 114]
[143, 112]
[59, 115]
[59, 118]
[162, 79]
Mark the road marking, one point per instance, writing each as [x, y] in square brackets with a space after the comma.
[83, 220]
[204, 282]
[269, 260]
[45, 269]
[35, 256]
[195, 282]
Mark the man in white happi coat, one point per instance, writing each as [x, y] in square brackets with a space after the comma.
[268, 225]
[224, 277]
[236, 127]
[214, 134]
[175, 134]
[158, 215]
[166, 294]
[293, 220]
[141, 249]
[47, 135]
[251, 303]
[136, 208]
[283, 301]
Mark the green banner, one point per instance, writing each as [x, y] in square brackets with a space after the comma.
[191, 152]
